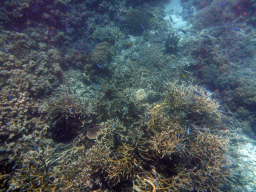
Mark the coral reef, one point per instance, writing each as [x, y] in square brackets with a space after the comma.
[165, 155]
[101, 55]
[136, 21]
[87, 106]
[171, 44]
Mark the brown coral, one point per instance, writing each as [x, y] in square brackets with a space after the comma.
[94, 132]
[102, 54]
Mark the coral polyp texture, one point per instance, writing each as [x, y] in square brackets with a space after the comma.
[164, 156]
[113, 96]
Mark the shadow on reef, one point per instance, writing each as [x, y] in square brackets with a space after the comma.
[171, 44]
[66, 116]
[65, 128]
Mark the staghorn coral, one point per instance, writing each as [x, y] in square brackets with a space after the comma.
[158, 154]
[65, 113]
[171, 44]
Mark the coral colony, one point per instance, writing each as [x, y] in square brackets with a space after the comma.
[140, 96]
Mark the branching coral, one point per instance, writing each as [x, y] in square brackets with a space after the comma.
[171, 44]
[170, 152]
[65, 115]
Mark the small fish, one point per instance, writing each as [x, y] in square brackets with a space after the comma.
[156, 182]
[184, 78]
[69, 111]
[88, 28]
[147, 116]
[113, 125]
[204, 36]
[161, 18]
[36, 149]
[183, 31]
[236, 29]
[143, 27]
[205, 93]
[68, 29]
[178, 136]
[95, 39]
[188, 131]
[124, 113]
[178, 148]
[100, 17]
[170, 18]
[134, 60]
[199, 94]
[14, 166]
[120, 18]
[9, 97]
[192, 100]
[48, 31]
[130, 93]
[156, 33]
[6, 50]
[100, 66]
[96, 87]
[129, 45]
[140, 59]
[212, 50]
[227, 167]
[223, 3]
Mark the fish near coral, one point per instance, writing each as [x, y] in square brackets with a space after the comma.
[124, 113]
[144, 29]
[197, 93]
[192, 100]
[69, 111]
[178, 148]
[113, 125]
[129, 45]
[162, 19]
[36, 149]
[99, 65]
[212, 50]
[170, 18]
[183, 31]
